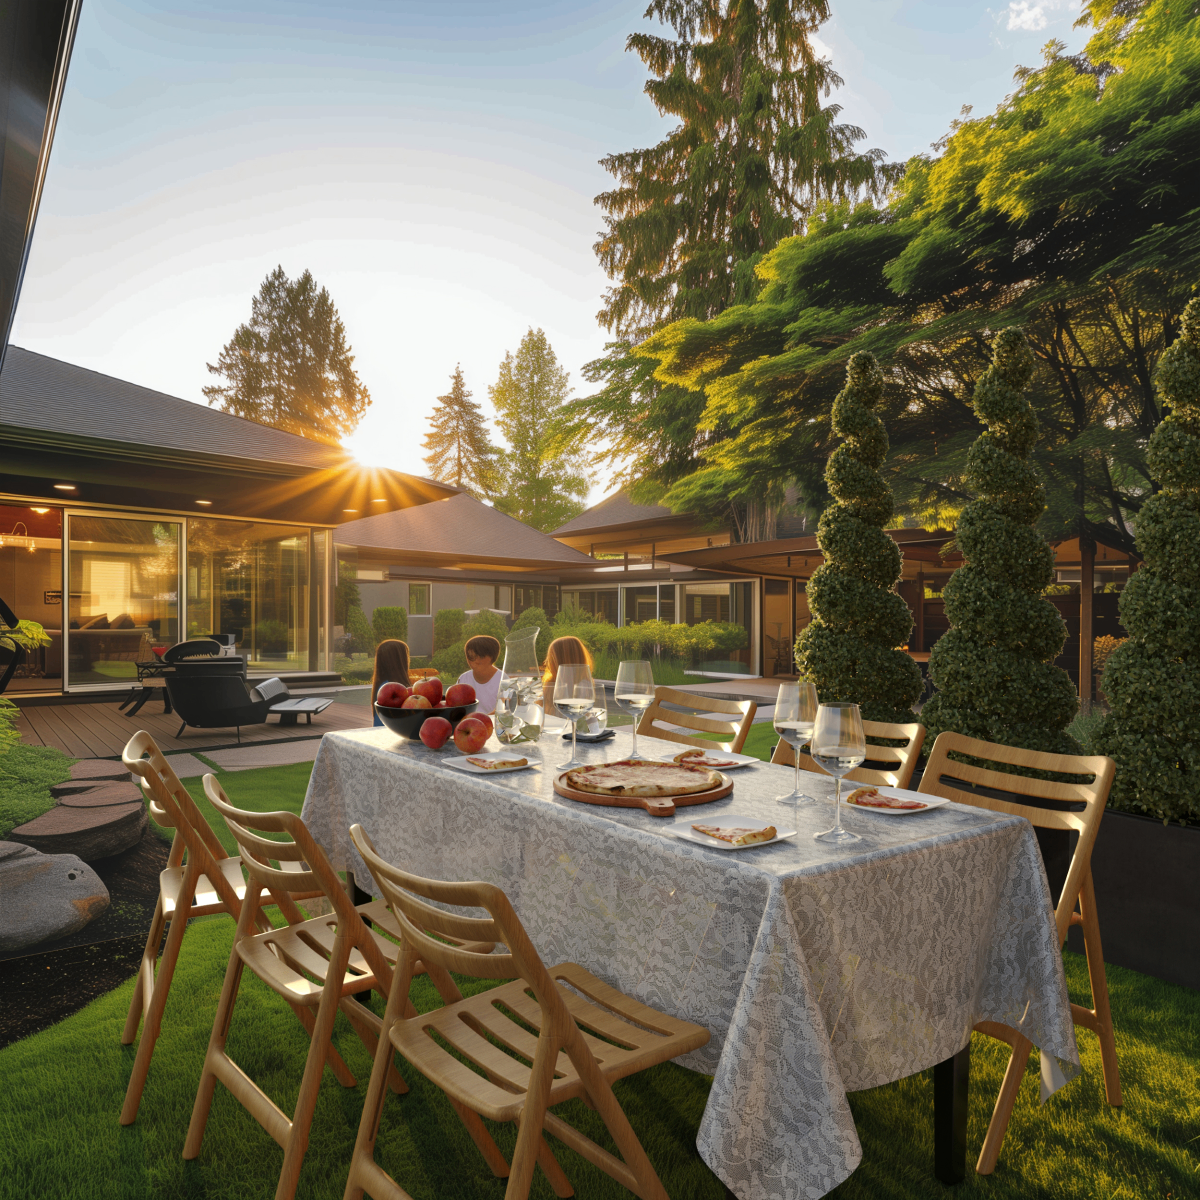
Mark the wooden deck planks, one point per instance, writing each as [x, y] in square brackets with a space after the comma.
[101, 730]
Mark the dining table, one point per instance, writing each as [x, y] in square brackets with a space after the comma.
[818, 970]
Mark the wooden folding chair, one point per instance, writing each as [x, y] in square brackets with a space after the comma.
[736, 730]
[209, 882]
[518, 1075]
[903, 759]
[1078, 889]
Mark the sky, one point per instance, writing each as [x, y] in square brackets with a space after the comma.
[433, 164]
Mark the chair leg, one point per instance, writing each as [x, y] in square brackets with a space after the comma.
[182, 727]
[529, 1128]
[997, 1127]
[1099, 981]
[160, 987]
[137, 1005]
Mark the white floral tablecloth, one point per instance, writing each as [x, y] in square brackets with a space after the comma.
[818, 971]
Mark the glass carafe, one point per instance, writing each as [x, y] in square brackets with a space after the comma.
[519, 711]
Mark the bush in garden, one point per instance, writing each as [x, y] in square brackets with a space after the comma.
[486, 622]
[447, 627]
[858, 619]
[994, 668]
[1152, 681]
[389, 622]
[362, 636]
[452, 660]
[547, 634]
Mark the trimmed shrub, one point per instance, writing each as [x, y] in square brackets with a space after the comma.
[994, 668]
[362, 636]
[447, 627]
[489, 623]
[547, 634]
[1152, 681]
[451, 660]
[390, 622]
[858, 619]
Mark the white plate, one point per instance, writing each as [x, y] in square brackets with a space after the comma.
[682, 828]
[733, 760]
[462, 764]
[899, 794]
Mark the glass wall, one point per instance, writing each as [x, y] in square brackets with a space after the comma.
[472, 596]
[124, 595]
[536, 595]
[728, 604]
[31, 585]
[251, 580]
[640, 604]
[600, 602]
[777, 627]
[666, 603]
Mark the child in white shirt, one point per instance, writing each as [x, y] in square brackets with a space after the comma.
[484, 675]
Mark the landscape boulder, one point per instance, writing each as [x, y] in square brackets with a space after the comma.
[46, 896]
[91, 830]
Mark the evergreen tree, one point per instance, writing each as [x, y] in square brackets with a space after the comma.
[460, 451]
[544, 483]
[994, 668]
[290, 366]
[1153, 681]
[849, 648]
[753, 150]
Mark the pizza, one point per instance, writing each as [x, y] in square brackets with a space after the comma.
[498, 764]
[628, 778]
[734, 836]
[874, 798]
[698, 758]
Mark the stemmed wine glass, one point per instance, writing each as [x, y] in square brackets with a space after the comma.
[795, 714]
[838, 746]
[634, 693]
[574, 694]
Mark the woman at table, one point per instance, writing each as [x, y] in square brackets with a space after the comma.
[564, 651]
[391, 666]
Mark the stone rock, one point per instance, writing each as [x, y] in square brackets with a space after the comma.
[46, 896]
[88, 772]
[90, 832]
[104, 795]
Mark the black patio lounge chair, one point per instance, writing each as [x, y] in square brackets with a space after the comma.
[209, 700]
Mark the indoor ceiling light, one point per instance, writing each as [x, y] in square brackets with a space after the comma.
[41, 512]
[64, 487]
[379, 500]
[349, 510]
[203, 501]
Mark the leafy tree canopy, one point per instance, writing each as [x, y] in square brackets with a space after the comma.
[289, 366]
[543, 482]
[459, 449]
[1071, 211]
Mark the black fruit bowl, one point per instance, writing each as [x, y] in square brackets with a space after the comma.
[407, 722]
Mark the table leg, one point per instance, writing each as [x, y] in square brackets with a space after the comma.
[951, 1080]
[287, 718]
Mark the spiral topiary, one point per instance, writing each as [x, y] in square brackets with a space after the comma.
[994, 667]
[858, 620]
[1152, 681]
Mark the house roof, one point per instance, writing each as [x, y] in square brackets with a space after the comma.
[614, 510]
[122, 444]
[459, 532]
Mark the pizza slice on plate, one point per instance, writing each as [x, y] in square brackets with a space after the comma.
[698, 758]
[874, 798]
[498, 764]
[735, 836]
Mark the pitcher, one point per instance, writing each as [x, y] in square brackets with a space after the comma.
[519, 711]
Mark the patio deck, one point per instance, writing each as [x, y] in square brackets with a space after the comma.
[101, 730]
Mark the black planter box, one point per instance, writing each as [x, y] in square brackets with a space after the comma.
[1147, 878]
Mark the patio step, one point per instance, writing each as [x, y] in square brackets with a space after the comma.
[94, 830]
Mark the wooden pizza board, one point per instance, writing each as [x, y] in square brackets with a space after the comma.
[656, 806]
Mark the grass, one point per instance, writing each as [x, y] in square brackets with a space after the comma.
[26, 776]
[60, 1137]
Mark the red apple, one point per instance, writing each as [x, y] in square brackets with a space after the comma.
[483, 718]
[435, 731]
[431, 689]
[460, 693]
[470, 735]
[415, 701]
[392, 695]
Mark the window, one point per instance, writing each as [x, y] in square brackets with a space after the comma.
[418, 599]
[599, 602]
[730, 605]
[640, 604]
[666, 603]
[31, 583]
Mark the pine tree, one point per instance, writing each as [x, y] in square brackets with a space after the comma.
[1153, 681]
[994, 668]
[544, 484]
[849, 647]
[289, 366]
[754, 149]
[460, 451]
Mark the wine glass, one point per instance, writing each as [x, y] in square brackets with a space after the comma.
[795, 714]
[634, 693]
[574, 695]
[838, 746]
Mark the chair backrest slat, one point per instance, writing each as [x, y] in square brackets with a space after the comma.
[903, 758]
[652, 720]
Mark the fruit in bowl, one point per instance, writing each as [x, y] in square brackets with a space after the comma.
[416, 701]
[487, 721]
[435, 731]
[392, 695]
[459, 693]
[470, 734]
[431, 689]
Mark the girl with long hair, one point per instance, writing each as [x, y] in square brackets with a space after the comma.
[391, 666]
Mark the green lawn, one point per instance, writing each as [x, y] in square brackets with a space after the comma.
[60, 1136]
[26, 775]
